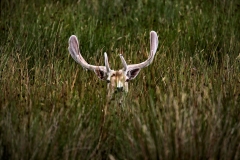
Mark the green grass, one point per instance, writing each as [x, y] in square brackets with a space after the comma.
[185, 105]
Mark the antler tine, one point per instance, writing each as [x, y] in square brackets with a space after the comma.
[153, 42]
[76, 55]
[125, 66]
[106, 62]
[153, 49]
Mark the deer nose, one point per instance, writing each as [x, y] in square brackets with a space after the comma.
[119, 89]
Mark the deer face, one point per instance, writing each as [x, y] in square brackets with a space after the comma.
[117, 80]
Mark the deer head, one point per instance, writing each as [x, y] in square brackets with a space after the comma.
[117, 80]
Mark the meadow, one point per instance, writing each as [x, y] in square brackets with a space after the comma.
[185, 105]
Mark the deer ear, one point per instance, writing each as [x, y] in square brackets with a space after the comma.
[133, 73]
[101, 74]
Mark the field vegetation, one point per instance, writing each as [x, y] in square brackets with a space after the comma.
[185, 105]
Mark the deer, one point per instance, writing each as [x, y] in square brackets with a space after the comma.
[117, 81]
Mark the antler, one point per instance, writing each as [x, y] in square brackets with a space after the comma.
[133, 69]
[76, 55]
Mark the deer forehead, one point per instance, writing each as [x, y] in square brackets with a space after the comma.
[118, 74]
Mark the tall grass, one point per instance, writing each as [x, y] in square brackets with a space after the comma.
[186, 105]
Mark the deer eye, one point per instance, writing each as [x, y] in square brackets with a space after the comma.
[112, 75]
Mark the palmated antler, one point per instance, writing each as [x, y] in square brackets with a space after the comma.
[132, 70]
[76, 55]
